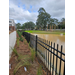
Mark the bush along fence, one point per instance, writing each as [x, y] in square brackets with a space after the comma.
[48, 52]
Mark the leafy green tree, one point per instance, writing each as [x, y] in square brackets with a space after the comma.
[62, 24]
[63, 20]
[43, 18]
[18, 26]
[23, 26]
[29, 25]
[53, 22]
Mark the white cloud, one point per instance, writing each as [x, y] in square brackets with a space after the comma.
[56, 8]
[20, 14]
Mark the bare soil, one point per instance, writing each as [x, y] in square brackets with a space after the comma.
[24, 50]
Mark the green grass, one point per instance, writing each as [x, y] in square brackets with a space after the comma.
[25, 42]
[24, 62]
[45, 32]
[33, 31]
[32, 55]
[39, 71]
[20, 36]
[17, 42]
[15, 51]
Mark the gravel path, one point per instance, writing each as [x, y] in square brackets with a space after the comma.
[12, 41]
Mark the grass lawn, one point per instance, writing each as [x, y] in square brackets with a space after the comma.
[45, 32]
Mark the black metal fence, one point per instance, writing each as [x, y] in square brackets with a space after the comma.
[53, 59]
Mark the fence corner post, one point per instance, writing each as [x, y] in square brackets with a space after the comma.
[36, 45]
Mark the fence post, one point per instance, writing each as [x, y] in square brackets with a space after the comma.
[36, 45]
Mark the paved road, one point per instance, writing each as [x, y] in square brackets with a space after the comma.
[12, 41]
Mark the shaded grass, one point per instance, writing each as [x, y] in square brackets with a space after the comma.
[32, 55]
[39, 71]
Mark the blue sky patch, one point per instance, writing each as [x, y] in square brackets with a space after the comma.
[34, 10]
[29, 11]
[23, 6]
[30, 6]
[18, 21]
[19, 6]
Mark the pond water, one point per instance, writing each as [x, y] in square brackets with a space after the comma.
[57, 39]
[54, 38]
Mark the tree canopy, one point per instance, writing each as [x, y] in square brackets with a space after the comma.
[18, 25]
[43, 18]
[29, 25]
[62, 23]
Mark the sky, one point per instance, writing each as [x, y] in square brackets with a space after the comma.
[27, 10]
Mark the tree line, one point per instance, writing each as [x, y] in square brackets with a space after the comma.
[28, 25]
[44, 21]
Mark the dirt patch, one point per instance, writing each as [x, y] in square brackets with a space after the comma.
[23, 49]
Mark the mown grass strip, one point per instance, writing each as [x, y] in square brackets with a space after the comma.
[45, 32]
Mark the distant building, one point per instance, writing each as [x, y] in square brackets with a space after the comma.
[11, 25]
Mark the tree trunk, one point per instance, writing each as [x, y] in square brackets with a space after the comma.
[52, 27]
[47, 27]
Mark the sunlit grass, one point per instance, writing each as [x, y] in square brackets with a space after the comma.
[45, 32]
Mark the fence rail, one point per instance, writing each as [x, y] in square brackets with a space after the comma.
[53, 59]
